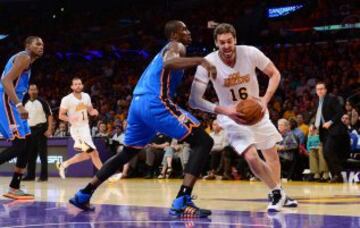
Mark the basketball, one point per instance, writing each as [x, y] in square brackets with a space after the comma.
[251, 109]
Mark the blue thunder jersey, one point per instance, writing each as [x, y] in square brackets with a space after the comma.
[152, 109]
[22, 82]
[157, 81]
[11, 124]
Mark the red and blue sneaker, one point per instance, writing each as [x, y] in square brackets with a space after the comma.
[183, 206]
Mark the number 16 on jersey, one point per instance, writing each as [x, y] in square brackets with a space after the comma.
[240, 94]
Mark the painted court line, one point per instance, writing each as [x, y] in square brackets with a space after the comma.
[140, 221]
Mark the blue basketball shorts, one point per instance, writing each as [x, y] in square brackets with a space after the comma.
[148, 115]
[11, 124]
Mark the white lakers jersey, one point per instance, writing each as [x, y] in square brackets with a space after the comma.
[77, 109]
[233, 84]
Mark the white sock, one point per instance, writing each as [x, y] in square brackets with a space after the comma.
[277, 187]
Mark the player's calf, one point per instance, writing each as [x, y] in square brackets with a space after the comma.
[200, 144]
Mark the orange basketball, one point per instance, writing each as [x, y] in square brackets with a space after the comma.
[251, 109]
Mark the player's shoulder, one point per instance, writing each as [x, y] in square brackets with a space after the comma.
[67, 97]
[212, 56]
[86, 95]
[246, 48]
[21, 56]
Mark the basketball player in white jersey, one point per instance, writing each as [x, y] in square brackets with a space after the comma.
[236, 80]
[75, 108]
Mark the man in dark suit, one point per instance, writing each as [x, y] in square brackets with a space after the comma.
[333, 133]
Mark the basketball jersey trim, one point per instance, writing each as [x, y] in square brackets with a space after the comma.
[170, 106]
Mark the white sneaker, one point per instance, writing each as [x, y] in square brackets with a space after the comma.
[289, 202]
[61, 169]
[115, 177]
[278, 198]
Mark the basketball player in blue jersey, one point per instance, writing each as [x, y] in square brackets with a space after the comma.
[152, 110]
[13, 116]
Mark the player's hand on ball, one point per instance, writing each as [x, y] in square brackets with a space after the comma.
[231, 112]
[23, 113]
[94, 112]
[211, 69]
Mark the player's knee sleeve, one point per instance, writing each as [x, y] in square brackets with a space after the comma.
[21, 153]
[201, 144]
[114, 163]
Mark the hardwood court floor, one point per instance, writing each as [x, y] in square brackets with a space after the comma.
[244, 196]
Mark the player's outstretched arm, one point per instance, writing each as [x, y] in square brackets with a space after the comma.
[196, 98]
[174, 59]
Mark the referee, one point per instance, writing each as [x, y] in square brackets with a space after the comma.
[40, 122]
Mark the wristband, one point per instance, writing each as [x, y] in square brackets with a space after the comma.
[18, 104]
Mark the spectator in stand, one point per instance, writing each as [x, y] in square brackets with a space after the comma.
[289, 111]
[62, 131]
[302, 125]
[300, 136]
[346, 121]
[176, 150]
[318, 166]
[217, 152]
[287, 148]
[103, 131]
[118, 139]
[155, 151]
[352, 114]
[96, 128]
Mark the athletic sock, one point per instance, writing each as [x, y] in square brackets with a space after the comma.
[15, 181]
[89, 189]
[184, 190]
